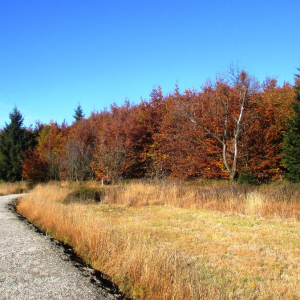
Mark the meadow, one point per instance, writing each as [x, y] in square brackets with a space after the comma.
[179, 240]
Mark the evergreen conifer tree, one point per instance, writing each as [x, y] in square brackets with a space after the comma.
[291, 147]
[14, 142]
[78, 113]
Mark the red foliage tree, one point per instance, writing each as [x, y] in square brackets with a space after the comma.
[46, 156]
[262, 144]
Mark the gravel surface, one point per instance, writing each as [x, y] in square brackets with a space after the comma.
[33, 266]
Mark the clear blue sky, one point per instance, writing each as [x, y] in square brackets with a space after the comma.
[57, 53]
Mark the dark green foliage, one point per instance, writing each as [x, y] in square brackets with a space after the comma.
[30, 185]
[18, 191]
[15, 140]
[86, 195]
[246, 177]
[78, 113]
[291, 148]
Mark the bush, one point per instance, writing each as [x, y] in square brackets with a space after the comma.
[86, 195]
[246, 178]
[30, 185]
[18, 191]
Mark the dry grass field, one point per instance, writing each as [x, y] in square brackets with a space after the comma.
[179, 241]
[12, 188]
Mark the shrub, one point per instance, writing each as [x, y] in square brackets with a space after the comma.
[18, 191]
[86, 195]
[30, 185]
[246, 178]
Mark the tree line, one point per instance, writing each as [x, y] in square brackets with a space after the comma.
[233, 128]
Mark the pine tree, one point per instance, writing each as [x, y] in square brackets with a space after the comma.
[14, 142]
[291, 148]
[78, 113]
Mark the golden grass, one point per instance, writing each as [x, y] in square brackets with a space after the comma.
[12, 188]
[155, 246]
[281, 200]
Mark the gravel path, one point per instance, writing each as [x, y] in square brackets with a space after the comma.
[33, 267]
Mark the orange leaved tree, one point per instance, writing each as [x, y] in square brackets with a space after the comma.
[222, 113]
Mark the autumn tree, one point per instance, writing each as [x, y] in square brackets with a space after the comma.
[113, 143]
[261, 146]
[224, 115]
[141, 124]
[77, 160]
[111, 157]
[45, 159]
[76, 157]
[35, 167]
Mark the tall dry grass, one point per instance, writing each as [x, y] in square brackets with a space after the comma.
[169, 241]
[141, 271]
[7, 188]
[281, 199]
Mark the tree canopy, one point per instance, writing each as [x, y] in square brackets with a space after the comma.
[231, 126]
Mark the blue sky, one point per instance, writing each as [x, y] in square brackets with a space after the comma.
[55, 54]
